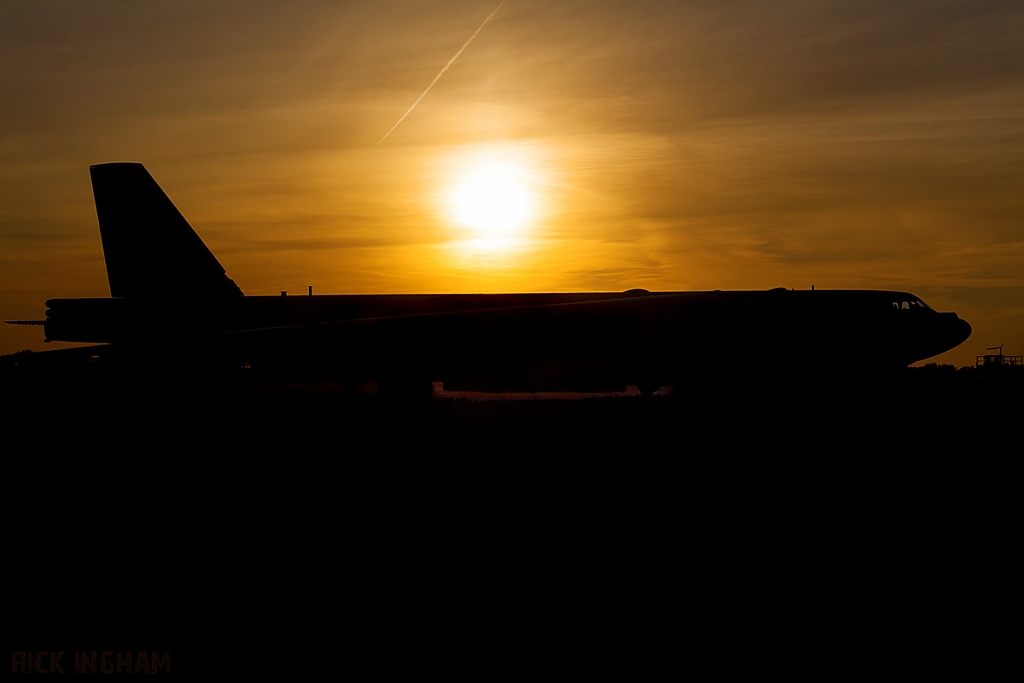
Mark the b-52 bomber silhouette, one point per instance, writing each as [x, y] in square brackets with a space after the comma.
[172, 302]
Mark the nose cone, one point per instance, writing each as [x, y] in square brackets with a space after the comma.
[961, 331]
[946, 331]
[953, 331]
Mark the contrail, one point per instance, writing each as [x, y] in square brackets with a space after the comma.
[441, 73]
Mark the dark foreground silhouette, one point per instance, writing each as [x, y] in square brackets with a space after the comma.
[237, 524]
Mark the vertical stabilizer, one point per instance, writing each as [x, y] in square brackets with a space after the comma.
[149, 248]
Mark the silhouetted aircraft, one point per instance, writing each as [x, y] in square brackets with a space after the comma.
[172, 304]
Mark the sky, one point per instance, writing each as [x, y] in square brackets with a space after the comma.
[664, 145]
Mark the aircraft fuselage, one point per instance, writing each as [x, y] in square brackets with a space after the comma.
[636, 335]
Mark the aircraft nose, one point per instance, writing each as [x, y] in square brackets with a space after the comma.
[961, 331]
[955, 331]
[950, 332]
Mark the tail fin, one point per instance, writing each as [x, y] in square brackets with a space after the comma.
[149, 247]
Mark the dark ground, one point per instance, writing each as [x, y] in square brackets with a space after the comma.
[247, 527]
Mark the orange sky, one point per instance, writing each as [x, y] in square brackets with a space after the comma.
[669, 145]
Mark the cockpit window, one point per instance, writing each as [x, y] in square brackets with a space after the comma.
[915, 305]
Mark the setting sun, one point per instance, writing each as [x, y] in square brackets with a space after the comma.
[494, 199]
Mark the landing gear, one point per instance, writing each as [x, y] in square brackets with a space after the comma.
[647, 389]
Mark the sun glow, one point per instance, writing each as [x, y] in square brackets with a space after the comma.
[494, 199]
